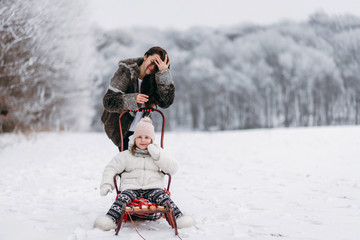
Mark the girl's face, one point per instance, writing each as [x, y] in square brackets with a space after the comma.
[149, 63]
[142, 142]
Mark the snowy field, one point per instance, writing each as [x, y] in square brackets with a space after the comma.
[300, 184]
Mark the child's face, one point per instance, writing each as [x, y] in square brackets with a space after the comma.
[142, 142]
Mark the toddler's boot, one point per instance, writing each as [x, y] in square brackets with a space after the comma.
[185, 222]
[104, 223]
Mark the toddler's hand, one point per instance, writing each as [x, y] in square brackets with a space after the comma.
[105, 189]
[154, 151]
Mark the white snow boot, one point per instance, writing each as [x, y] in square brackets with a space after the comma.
[104, 223]
[185, 222]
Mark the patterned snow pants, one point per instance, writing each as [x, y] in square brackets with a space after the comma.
[156, 195]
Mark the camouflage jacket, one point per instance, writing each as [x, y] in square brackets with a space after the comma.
[122, 93]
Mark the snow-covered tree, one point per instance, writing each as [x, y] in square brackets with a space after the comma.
[46, 68]
[347, 57]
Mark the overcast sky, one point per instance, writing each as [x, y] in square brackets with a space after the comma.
[182, 14]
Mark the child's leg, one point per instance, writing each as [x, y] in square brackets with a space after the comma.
[125, 197]
[159, 197]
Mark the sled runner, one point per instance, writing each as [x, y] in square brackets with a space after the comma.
[140, 208]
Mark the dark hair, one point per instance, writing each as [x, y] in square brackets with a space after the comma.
[157, 50]
[148, 85]
[133, 148]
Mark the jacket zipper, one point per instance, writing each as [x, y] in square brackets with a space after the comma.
[143, 181]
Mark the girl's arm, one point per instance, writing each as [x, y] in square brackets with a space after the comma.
[163, 160]
[116, 166]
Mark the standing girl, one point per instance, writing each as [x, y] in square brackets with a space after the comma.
[138, 82]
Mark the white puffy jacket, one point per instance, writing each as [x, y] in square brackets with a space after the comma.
[139, 172]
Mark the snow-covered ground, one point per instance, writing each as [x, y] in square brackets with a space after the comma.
[258, 184]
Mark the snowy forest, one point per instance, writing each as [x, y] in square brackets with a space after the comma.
[55, 68]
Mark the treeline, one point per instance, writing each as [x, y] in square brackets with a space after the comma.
[249, 76]
[54, 70]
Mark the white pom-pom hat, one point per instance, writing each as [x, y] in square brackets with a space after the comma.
[145, 128]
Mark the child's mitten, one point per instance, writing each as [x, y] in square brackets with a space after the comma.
[104, 189]
[154, 151]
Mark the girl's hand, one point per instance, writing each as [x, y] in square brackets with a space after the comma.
[142, 98]
[162, 65]
[105, 189]
[154, 151]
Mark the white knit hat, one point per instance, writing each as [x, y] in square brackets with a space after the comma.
[145, 127]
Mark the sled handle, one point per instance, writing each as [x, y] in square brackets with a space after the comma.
[143, 110]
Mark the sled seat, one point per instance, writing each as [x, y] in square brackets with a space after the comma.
[142, 209]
